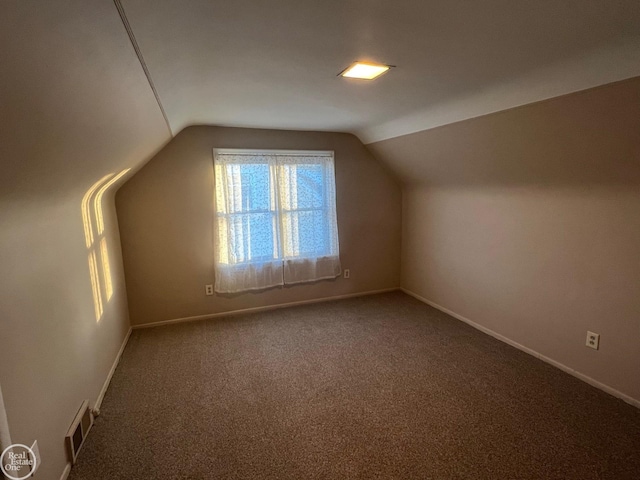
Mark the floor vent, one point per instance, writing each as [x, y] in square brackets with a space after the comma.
[79, 430]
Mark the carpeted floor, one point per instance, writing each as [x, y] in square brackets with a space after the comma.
[373, 387]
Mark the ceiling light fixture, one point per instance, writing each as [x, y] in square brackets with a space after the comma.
[365, 70]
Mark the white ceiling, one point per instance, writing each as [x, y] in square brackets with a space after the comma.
[75, 104]
[273, 64]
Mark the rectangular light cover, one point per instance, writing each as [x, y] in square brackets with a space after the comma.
[366, 71]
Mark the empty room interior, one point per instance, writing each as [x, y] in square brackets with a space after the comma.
[320, 240]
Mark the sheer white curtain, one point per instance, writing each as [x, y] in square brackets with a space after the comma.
[275, 219]
[307, 200]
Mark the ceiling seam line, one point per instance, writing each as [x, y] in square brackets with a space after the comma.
[134, 43]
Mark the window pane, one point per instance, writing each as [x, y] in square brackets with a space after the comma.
[251, 237]
[310, 186]
[307, 233]
[254, 180]
[246, 208]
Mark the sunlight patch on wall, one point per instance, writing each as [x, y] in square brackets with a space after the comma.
[95, 285]
[86, 213]
[96, 241]
[97, 201]
[106, 270]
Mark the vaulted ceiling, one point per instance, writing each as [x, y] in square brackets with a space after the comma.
[74, 102]
[274, 64]
[78, 101]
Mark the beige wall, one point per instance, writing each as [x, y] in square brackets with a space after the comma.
[5, 437]
[528, 222]
[76, 106]
[165, 214]
[54, 354]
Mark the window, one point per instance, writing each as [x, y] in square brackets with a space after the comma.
[275, 218]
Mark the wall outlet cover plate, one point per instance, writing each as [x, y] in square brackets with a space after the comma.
[593, 340]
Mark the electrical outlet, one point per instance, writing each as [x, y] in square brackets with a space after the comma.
[208, 289]
[347, 273]
[593, 340]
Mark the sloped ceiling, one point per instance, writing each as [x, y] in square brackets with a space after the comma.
[74, 101]
[274, 64]
[589, 138]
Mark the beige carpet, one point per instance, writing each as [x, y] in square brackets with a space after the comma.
[374, 387]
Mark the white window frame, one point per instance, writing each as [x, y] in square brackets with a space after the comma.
[327, 266]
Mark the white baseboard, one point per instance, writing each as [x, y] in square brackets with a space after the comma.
[98, 403]
[264, 308]
[502, 338]
[112, 371]
[66, 472]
